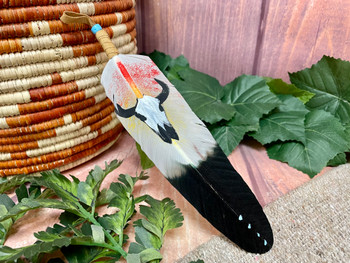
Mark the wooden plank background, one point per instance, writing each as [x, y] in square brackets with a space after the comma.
[233, 37]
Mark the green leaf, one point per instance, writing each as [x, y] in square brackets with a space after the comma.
[250, 97]
[30, 204]
[8, 254]
[13, 181]
[285, 123]
[146, 163]
[203, 93]
[5, 225]
[136, 248]
[47, 237]
[124, 201]
[162, 214]
[198, 261]
[325, 138]
[169, 66]
[278, 86]
[146, 238]
[97, 175]
[22, 192]
[104, 197]
[85, 193]
[152, 228]
[329, 80]
[338, 160]
[88, 254]
[6, 201]
[229, 134]
[175, 66]
[63, 187]
[160, 59]
[149, 255]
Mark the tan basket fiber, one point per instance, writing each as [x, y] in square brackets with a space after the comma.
[53, 110]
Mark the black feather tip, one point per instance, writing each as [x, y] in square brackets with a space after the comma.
[220, 195]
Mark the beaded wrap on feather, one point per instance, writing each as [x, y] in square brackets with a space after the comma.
[54, 112]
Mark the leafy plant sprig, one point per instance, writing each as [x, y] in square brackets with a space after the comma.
[82, 234]
[305, 123]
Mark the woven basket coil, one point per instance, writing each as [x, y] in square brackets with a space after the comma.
[54, 112]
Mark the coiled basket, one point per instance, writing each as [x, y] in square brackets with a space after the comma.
[53, 110]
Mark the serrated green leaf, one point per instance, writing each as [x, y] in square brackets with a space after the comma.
[63, 187]
[176, 65]
[136, 248]
[30, 204]
[160, 59]
[338, 160]
[251, 98]
[104, 197]
[149, 255]
[85, 193]
[13, 181]
[152, 228]
[140, 199]
[162, 214]
[168, 65]
[81, 254]
[325, 138]
[8, 254]
[329, 80]
[146, 238]
[285, 123]
[4, 225]
[67, 218]
[110, 222]
[21, 192]
[146, 163]
[203, 93]
[124, 201]
[278, 86]
[128, 181]
[34, 191]
[45, 236]
[6, 201]
[229, 134]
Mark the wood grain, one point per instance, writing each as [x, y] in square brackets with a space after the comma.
[217, 37]
[296, 34]
[229, 38]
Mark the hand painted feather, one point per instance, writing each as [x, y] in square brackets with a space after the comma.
[179, 144]
[183, 149]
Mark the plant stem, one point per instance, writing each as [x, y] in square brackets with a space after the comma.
[85, 243]
[92, 219]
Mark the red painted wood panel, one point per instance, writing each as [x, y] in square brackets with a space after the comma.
[296, 34]
[229, 38]
[217, 37]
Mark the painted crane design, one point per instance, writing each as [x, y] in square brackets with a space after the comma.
[150, 110]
